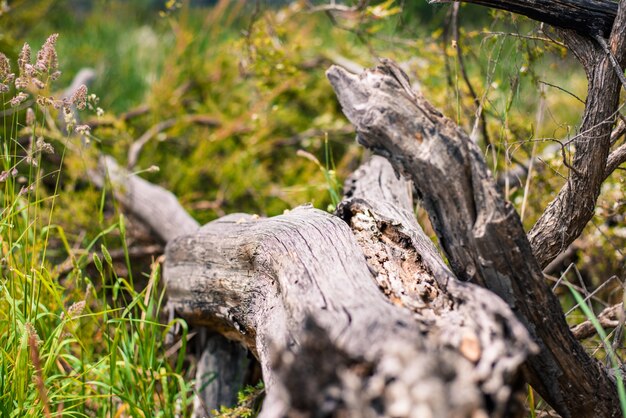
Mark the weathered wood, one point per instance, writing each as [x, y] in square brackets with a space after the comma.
[566, 216]
[615, 159]
[152, 204]
[220, 374]
[297, 291]
[590, 17]
[378, 206]
[610, 317]
[481, 234]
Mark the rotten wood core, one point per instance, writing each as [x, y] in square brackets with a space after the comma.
[357, 314]
[480, 232]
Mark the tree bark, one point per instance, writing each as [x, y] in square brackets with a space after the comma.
[589, 17]
[481, 234]
[567, 215]
[220, 374]
[298, 291]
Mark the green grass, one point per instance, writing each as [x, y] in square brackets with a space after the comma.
[73, 345]
[610, 352]
[261, 80]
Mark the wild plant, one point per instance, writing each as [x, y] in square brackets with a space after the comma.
[69, 346]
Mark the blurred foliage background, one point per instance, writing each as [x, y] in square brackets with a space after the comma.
[223, 96]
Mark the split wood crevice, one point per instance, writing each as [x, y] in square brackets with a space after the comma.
[357, 314]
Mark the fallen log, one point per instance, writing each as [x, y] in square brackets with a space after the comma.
[300, 292]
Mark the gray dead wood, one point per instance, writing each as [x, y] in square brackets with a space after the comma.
[378, 206]
[297, 290]
[590, 17]
[152, 204]
[480, 232]
[610, 317]
[220, 374]
[158, 208]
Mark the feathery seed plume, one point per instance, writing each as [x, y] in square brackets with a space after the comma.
[79, 98]
[47, 57]
[23, 59]
[32, 332]
[74, 310]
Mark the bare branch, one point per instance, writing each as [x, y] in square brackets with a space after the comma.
[616, 158]
[567, 215]
[590, 17]
[152, 204]
[608, 318]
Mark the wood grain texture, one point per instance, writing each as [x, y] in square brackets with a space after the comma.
[297, 290]
[590, 17]
[481, 234]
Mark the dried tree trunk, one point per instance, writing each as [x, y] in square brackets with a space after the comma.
[480, 232]
[297, 290]
[589, 20]
[567, 215]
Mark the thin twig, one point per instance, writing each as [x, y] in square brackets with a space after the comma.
[457, 38]
[137, 146]
[563, 90]
[608, 318]
[529, 37]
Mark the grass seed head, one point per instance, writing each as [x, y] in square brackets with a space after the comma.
[79, 98]
[82, 129]
[30, 117]
[23, 59]
[42, 146]
[76, 309]
[18, 99]
[32, 334]
[47, 61]
[5, 66]
[6, 76]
